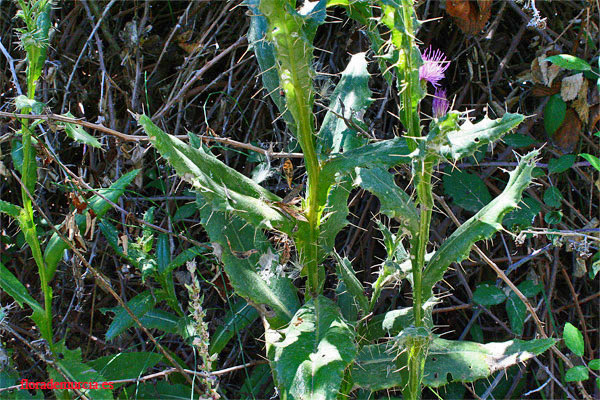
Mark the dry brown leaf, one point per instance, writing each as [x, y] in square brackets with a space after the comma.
[594, 116]
[567, 135]
[580, 104]
[540, 90]
[570, 86]
[470, 16]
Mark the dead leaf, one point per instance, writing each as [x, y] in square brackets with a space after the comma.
[288, 171]
[242, 255]
[594, 116]
[290, 211]
[580, 104]
[570, 86]
[567, 135]
[544, 72]
[470, 16]
[540, 90]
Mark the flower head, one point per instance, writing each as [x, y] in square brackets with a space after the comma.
[440, 103]
[434, 66]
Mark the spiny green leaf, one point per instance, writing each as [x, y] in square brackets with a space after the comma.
[223, 187]
[353, 285]
[468, 361]
[395, 203]
[309, 357]
[277, 299]
[481, 226]
[350, 99]
[375, 369]
[9, 209]
[389, 323]
[77, 133]
[465, 140]
[265, 55]
[447, 361]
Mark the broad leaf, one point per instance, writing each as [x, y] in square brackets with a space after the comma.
[164, 321]
[276, 298]
[15, 289]
[554, 114]
[577, 374]
[449, 360]
[573, 339]
[309, 356]
[139, 306]
[481, 226]
[239, 317]
[125, 365]
[516, 311]
[75, 370]
[395, 203]
[467, 190]
[464, 141]
[488, 295]
[570, 62]
[349, 101]
[161, 390]
[353, 285]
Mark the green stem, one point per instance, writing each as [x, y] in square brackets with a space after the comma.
[30, 231]
[299, 99]
[425, 199]
[411, 115]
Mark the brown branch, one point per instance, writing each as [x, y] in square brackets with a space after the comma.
[138, 138]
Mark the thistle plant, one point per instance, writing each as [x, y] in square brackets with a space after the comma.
[322, 348]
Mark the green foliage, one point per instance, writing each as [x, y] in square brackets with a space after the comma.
[488, 295]
[573, 339]
[561, 164]
[467, 190]
[554, 114]
[482, 225]
[320, 350]
[568, 61]
[310, 355]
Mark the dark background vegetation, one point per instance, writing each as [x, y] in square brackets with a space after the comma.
[189, 62]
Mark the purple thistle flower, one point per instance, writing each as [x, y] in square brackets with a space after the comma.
[434, 66]
[440, 103]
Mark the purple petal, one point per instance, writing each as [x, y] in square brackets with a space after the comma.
[434, 66]
[440, 103]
